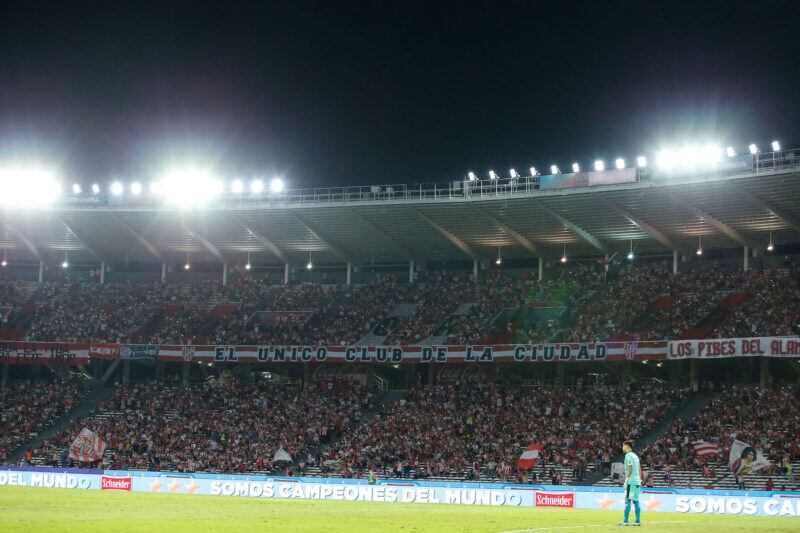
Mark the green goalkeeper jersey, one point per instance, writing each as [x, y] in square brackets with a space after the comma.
[632, 464]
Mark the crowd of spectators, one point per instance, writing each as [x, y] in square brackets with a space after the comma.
[222, 426]
[763, 418]
[473, 430]
[27, 407]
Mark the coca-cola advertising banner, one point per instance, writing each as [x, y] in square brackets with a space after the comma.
[741, 347]
[327, 373]
[464, 374]
[43, 353]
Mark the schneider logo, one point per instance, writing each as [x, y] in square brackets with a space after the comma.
[558, 499]
[115, 483]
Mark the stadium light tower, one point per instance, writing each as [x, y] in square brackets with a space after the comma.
[599, 165]
[136, 188]
[619, 163]
[276, 185]
[534, 172]
[95, 188]
[731, 151]
[76, 188]
[492, 175]
[471, 176]
[776, 146]
[23, 185]
[554, 169]
[155, 188]
[237, 186]
[576, 167]
[641, 161]
[665, 159]
[753, 149]
[117, 188]
[513, 173]
[256, 186]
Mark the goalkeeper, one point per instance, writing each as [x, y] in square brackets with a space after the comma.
[633, 483]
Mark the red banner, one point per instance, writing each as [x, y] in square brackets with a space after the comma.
[44, 353]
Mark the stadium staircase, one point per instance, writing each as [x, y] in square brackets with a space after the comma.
[87, 406]
[686, 410]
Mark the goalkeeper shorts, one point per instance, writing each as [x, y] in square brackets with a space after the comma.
[632, 492]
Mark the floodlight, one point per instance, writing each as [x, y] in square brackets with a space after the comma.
[513, 173]
[730, 151]
[619, 163]
[770, 247]
[237, 186]
[117, 188]
[190, 185]
[641, 161]
[472, 176]
[711, 155]
[187, 266]
[699, 251]
[576, 167]
[136, 188]
[256, 186]
[309, 265]
[95, 188]
[554, 169]
[276, 185]
[498, 261]
[534, 172]
[753, 149]
[689, 156]
[630, 256]
[563, 258]
[4, 263]
[776, 146]
[76, 188]
[248, 266]
[666, 159]
[23, 185]
[599, 165]
[65, 264]
[492, 175]
[156, 188]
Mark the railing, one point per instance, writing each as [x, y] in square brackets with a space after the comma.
[381, 383]
[455, 190]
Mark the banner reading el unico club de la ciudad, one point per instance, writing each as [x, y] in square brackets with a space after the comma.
[44, 353]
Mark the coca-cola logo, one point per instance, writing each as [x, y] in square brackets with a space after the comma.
[555, 499]
[336, 372]
[463, 374]
[115, 483]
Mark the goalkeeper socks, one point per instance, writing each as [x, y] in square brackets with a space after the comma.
[627, 511]
[636, 510]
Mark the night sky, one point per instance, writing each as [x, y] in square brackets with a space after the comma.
[339, 93]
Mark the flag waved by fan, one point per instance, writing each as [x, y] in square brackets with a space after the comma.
[281, 455]
[87, 447]
[705, 449]
[530, 456]
[745, 459]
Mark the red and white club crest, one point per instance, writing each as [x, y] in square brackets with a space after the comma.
[188, 353]
[630, 350]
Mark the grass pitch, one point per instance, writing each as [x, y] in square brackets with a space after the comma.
[38, 509]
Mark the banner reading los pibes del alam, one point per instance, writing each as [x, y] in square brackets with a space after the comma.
[45, 353]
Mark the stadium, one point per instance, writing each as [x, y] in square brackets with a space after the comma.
[227, 338]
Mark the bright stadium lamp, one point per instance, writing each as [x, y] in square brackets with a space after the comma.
[4, 263]
[95, 188]
[534, 172]
[554, 169]
[630, 253]
[776, 146]
[699, 246]
[276, 185]
[619, 163]
[770, 246]
[665, 159]
[576, 167]
[730, 151]
[753, 149]
[156, 189]
[136, 188]
[256, 186]
[471, 176]
[688, 157]
[513, 173]
[599, 165]
[237, 186]
[23, 185]
[492, 175]
[117, 188]
[65, 264]
[641, 161]
[247, 265]
[76, 188]
[711, 155]
[564, 255]
[499, 260]
[190, 185]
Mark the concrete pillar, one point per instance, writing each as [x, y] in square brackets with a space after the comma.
[4, 379]
[41, 271]
[674, 262]
[224, 273]
[541, 268]
[126, 372]
[431, 372]
[694, 373]
[159, 367]
[163, 272]
[475, 270]
[186, 369]
[286, 274]
[746, 259]
[102, 272]
[408, 376]
[561, 371]
[349, 272]
[764, 372]
[411, 272]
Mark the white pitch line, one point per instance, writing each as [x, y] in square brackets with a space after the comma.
[588, 526]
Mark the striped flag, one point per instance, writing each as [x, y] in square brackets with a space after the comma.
[530, 456]
[87, 447]
[704, 449]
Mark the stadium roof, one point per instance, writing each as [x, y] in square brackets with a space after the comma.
[421, 223]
